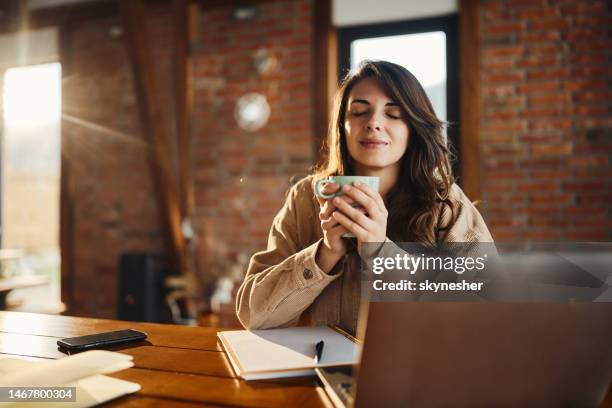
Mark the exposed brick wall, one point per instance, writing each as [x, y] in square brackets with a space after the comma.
[546, 122]
[114, 202]
[240, 177]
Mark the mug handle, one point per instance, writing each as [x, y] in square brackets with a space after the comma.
[321, 193]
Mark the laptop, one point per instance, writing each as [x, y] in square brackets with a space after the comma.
[478, 354]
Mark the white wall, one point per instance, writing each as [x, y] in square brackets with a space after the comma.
[355, 12]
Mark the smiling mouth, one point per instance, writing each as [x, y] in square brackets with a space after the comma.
[373, 144]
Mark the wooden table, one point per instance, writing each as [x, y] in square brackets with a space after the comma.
[179, 366]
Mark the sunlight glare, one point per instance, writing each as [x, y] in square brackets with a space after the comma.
[32, 96]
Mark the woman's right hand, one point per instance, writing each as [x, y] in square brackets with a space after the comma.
[334, 246]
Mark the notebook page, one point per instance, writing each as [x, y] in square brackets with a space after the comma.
[289, 348]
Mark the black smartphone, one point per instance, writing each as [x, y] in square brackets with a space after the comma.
[100, 340]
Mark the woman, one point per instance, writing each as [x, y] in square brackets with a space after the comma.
[383, 125]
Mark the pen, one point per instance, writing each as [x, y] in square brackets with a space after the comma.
[319, 351]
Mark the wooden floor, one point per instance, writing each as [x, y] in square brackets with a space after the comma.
[179, 366]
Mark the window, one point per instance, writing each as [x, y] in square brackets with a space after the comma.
[427, 48]
[30, 174]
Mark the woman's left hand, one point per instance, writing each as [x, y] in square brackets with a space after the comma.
[368, 227]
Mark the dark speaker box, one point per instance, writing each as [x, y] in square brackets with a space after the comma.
[141, 288]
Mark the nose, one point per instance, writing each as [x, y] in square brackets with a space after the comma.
[373, 124]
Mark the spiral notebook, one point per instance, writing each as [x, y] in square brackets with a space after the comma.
[286, 352]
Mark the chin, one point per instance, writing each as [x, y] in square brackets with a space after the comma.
[374, 164]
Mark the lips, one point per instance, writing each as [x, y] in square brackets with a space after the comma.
[373, 143]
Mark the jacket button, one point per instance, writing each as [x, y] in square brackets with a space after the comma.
[307, 274]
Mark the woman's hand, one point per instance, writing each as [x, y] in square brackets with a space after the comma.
[334, 246]
[370, 226]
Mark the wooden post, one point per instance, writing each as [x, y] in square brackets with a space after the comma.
[153, 122]
[183, 99]
[469, 82]
[325, 69]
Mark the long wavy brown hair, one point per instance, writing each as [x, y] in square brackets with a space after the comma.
[423, 186]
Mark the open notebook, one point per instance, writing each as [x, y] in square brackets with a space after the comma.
[83, 371]
[287, 352]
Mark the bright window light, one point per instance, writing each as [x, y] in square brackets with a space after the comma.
[32, 96]
[423, 54]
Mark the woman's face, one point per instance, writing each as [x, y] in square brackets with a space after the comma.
[376, 131]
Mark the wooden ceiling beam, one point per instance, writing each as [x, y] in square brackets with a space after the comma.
[72, 13]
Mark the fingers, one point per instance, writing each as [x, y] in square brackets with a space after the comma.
[326, 210]
[350, 225]
[374, 195]
[329, 223]
[355, 214]
[360, 196]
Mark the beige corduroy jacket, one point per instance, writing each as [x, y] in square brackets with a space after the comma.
[284, 281]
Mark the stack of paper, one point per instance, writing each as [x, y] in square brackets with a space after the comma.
[83, 371]
[288, 352]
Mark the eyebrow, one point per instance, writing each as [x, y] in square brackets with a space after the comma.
[367, 102]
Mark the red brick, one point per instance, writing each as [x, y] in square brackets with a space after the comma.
[584, 84]
[526, 3]
[539, 61]
[547, 99]
[504, 127]
[548, 73]
[543, 112]
[550, 24]
[589, 161]
[551, 124]
[593, 96]
[551, 149]
[503, 51]
[546, 138]
[539, 186]
[594, 110]
[505, 174]
[534, 87]
[590, 71]
[584, 34]
[589, 7]
[541, 162]
[500, 115]
[509, 77]
[504, 28]
[547, 198]
[601, 198]
[556, 174]
[603, 20]
[587, 59]
[537, 13]
[581, 187]
[498, 64]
